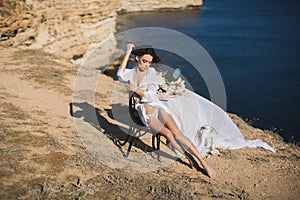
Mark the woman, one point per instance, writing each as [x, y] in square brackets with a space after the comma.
[142, 79]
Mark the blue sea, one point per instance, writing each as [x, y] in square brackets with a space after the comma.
[256, 47]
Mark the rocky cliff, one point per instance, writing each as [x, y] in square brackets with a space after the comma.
[71, 28]
[146, 5]
[64, 28]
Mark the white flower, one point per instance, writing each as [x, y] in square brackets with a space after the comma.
[172, 88]
[161, 80]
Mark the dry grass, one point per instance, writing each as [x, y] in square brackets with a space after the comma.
[35, 57]
[45, 159]
[50, 77]
[21, 131]
[41, 67]
[11, 111]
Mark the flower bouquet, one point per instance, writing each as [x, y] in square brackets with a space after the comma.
[168, 89]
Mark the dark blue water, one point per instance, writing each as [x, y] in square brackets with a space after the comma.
[255, 45]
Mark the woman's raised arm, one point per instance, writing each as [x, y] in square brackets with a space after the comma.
[126, 57]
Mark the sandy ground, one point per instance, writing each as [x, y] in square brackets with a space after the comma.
[46, 153]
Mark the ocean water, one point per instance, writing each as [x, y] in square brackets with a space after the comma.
[256, 47]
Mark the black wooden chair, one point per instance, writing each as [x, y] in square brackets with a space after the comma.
[137, 128]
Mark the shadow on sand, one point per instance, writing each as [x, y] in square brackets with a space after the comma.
[117, 135]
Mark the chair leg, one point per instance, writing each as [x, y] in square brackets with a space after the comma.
[131, 141]
[153, 142]
[157, 145]
[125, 141]
[158, 141]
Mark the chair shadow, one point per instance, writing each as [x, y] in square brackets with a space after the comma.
[92, 115]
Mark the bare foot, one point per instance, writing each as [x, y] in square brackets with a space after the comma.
[210, 172]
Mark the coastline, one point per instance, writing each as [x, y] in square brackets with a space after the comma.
[44, 157]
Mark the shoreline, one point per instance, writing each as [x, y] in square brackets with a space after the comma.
[43, 155]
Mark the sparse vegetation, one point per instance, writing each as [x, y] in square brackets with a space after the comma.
[43, 157]
[11, 111]
[49, 77]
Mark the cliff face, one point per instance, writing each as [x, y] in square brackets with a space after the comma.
[148, 5]
[69, 28]
[64, 28]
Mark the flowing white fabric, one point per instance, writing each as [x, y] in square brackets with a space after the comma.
[190, 112]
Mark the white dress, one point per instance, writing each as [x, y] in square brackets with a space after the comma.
[191, 112]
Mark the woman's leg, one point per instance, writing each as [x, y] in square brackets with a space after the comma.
[157, 126]
[171, 125]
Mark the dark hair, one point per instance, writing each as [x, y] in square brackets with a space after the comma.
[146, 49]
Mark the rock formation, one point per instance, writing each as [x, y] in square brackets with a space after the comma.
[146, 5]
[71, 29]
[64, 28]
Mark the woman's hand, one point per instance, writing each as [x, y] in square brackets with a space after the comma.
[130, 46]
[137, 90]
[132, 87]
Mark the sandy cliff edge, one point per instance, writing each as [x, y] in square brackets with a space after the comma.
[42, 155]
